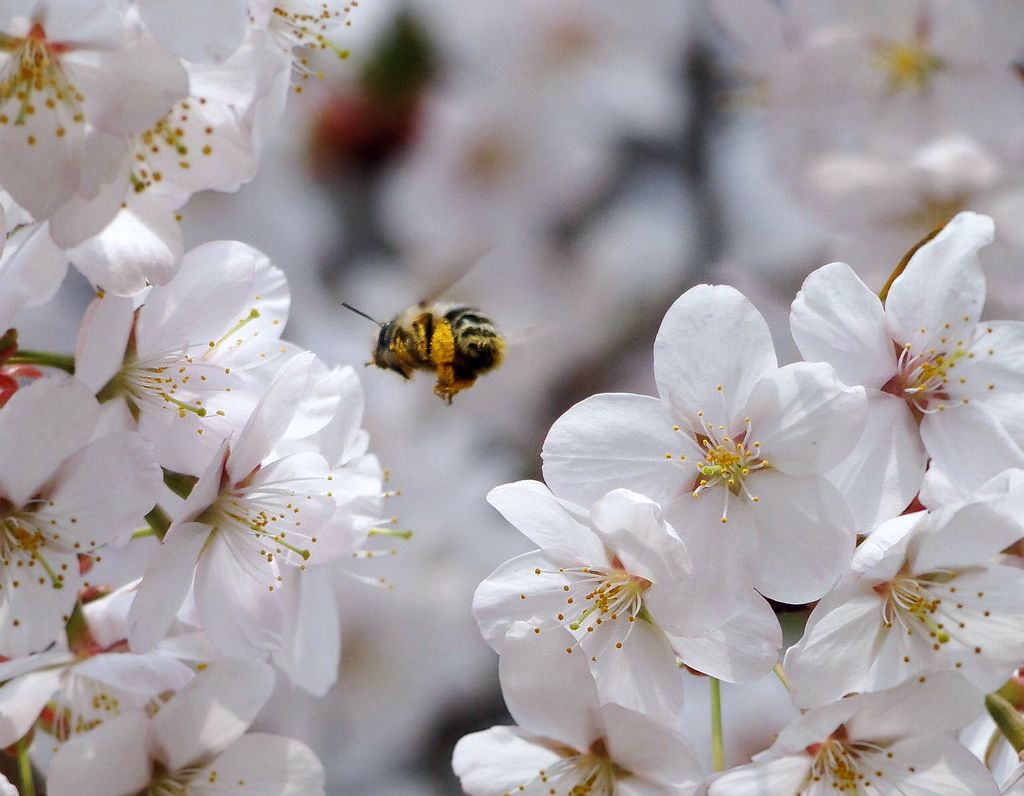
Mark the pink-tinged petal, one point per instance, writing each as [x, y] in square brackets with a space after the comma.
[542, 519]
[634, 666]
[103, 340]
[711, 336]
[206, 298]
[616, 440]
[146, 675]
[836, 318]
[86, 764]
[261, 765]
[140, 247]
[45, 422]
[128, 90]
[771, 778]
[23, 699]
[500, 760]
[805, 537]
[166, 583]
[87, 22]
[934, 766]
[641, 745]
[234, 593]
[31, 272]
[969, 445]
[743, 649]
[211, 712]
[841, 642]
[549, 691]
[941, 702]
[102, 490]
[805, 419]
[196, 30]
[886, 467]
[942, 284]
[515, 591]
[35, 606]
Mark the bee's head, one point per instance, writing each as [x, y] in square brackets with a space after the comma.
[387, 353]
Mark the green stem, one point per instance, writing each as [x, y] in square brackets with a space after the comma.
[717, 747]
[28, 787]
[1013, 692]
[1007, 719]
[158, 521]
[48, 358]
[781, 674]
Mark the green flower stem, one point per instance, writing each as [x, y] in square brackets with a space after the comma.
[1013, 692]
[717, 747]
[781, 674]
[1007, 719]
[158, 521]
[49, 359]
[28, 787]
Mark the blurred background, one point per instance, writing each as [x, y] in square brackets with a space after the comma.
[585, 161]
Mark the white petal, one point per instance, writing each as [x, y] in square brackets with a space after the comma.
[998, 361]
[146, 675]
[34, 607]
[836, 318]
[312, 654]
[711, 336]
[262, 765]
[633, 527]
[23, 699]
[102, 490]
[542, 519]
[805, 419]
[615, 440]
[497, 761]
[771, 778]
[140, 247]
[943, 283]
[196, 30]
[103, 340]
[548, 691]
[641, 745]
[85, 763]
[211, 712]
[48, 420]
[935, 766]
[31, 272]
[968, 444]
[165, 584]
[805, 537]
[743, 649]
[886, 467]
[241, 615]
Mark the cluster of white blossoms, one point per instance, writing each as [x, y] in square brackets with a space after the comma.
[178, 494]
[881, 482]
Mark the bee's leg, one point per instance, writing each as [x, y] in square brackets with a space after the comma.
[450, 382]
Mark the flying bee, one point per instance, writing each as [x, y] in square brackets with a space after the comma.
[455, 341]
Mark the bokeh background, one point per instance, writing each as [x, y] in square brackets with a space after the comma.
[581, 163]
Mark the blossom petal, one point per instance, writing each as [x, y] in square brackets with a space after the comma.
[639, 744]
[542, 519]
[261, 765]
[805, 418]
[36, 604]
[770, 778]
[632, 526]
[146, 675]
[836, 318]
[711, 336]
[46, 422]
[549, 691]
[103, 340]
[87, 759]
[934, 766]
[615, 440]
[942, 284]
[805, 537]
[166, 583]
[196, 30]
[211, 712]
[23, 699]
[500, 760]
[886, 467]
[31, 272]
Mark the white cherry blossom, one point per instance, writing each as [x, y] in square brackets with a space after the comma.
[896, 741]
[60, 496]
[195, 745]
[736, 450]
[567, 741]
[632, 594]
[925, 592]
[251, 515]
[941, 383]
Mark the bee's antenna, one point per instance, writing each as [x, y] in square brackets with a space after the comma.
[360, 312]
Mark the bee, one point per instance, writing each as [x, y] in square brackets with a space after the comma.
[457, 342]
